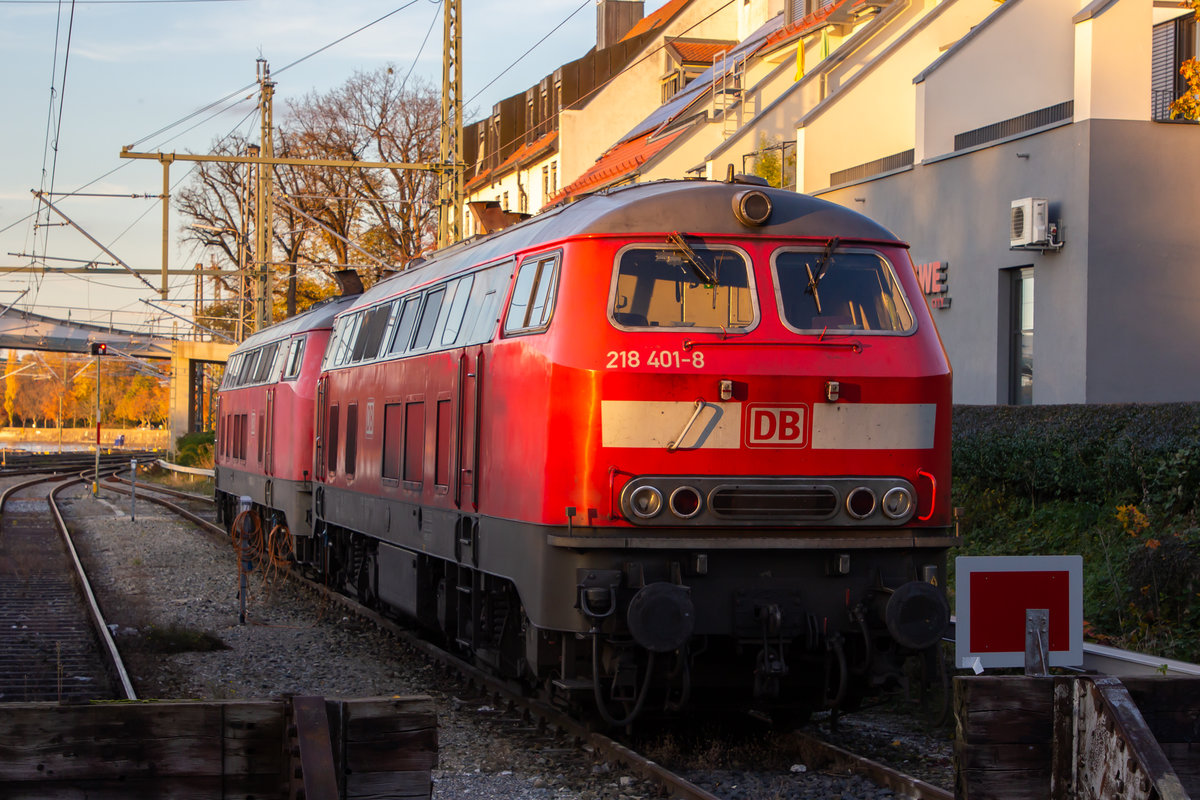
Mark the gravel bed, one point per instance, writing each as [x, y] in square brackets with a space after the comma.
[164, 586]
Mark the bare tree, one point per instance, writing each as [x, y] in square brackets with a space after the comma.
[326, 218]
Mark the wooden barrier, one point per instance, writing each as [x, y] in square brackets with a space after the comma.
[374, 747]
[1077, 737]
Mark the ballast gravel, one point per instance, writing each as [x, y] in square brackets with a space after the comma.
[161, 574]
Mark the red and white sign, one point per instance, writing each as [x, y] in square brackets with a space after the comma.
[776, 426]
[992, 595]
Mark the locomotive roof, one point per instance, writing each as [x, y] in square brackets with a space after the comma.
[319, 316]
[691, 206]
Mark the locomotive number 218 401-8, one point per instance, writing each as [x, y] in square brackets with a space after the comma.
[657, 359]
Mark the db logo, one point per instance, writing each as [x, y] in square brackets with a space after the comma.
[776, 426]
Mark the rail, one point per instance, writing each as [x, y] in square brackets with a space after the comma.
[208, 473]
[107, 647]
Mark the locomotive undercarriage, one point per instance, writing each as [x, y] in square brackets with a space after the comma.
[635, 631]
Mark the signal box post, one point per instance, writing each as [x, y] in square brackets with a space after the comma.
[1018, 611]
[97, 349]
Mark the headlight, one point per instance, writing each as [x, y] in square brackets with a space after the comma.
[897, 503]
[860, 503]
[685, 502]
[646, 502]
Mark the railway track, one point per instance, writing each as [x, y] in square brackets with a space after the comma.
[21, 465]
[54, 642]
[528, 713]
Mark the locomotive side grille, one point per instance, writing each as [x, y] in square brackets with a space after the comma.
[748, 501]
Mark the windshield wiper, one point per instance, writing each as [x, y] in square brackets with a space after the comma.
[689, 255]
[822, 264]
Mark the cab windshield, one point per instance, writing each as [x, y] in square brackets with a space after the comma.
[682, 286]
[840, 290]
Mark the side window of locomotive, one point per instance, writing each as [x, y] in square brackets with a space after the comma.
[370, 335]
[404, 327]
[854, 290]
[295, 359]
[231, 371]
[460, 290]
[347, 342]
[335, 344]
[265, 362]
[532, 302]
[683, 287]
[429, 317]
[249, 365]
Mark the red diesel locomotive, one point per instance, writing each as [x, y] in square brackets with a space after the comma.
[672, 436]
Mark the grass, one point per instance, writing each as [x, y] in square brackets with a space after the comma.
[178, 639]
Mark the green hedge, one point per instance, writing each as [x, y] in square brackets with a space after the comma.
[1146, 454]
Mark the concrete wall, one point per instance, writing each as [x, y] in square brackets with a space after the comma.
[956, 211]
[1020, 60]
[876, 116]
[1117, 310]
[1112, 68]
[1144, 272]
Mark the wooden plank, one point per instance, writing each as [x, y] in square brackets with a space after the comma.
[1116, 752]
[371, 718]
[992, 709]
[412, 750]
[381, 786]
[127, 740]
[1164, 692]
[1020, 756]
[253, 734]
[1062, 745]
[1010, 784]
[1185, 758]
[1002, 692]
[144, 788]
[316, 748]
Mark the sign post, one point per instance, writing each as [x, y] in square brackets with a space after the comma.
[1019, 611]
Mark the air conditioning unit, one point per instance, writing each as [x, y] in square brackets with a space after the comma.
[1030, 223]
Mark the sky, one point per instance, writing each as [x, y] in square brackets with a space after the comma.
[78, 82]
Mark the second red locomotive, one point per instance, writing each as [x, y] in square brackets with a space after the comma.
[673, 436]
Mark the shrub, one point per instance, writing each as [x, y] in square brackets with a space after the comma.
[195, 449]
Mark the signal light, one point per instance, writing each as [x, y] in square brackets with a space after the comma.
[99, 348]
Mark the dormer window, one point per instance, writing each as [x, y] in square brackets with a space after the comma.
[687, 59]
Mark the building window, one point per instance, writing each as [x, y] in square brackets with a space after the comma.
[1173, 43]
[553, 177]
[504, 204]
[545, 182]
[1020, 354]
[670, 85]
